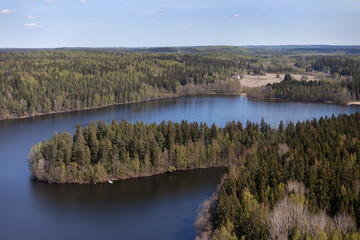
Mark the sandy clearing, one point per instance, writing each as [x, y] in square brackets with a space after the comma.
[258, 81]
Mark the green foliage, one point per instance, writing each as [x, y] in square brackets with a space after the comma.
[223, 234]
[171, 169]
[41, 82]
[103, 152]
[295, 234]
[287, 77]
[323, 154]
[49, 81]
[304, 90]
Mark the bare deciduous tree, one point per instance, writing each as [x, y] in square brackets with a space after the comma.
[357, 186]
[297, 187]
[283, 149]
[343, 222]
[288, 214]
[204, 221]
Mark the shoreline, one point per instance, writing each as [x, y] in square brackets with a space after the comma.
[83, 109]
[114, 104]
[143, 175]
[243, 94]
[305, 101]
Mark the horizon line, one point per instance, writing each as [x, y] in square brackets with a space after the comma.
[194, 46]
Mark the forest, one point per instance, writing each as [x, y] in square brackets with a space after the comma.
[303, 90]
[300, 181]
[297, 182]
[48, 81]
[35, 81]
[102, 152]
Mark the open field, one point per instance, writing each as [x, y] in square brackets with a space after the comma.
[258, 81]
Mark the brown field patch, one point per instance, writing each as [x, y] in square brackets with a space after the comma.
[258, 81]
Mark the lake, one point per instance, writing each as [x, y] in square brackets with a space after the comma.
[158, 207]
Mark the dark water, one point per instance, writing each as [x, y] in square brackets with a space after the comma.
[159, 207]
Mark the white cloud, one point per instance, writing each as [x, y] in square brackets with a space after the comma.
[263, 9]
[83, 1]
[49, 1]
[239, 16]
[6, 12]
[32, 17]
[30, 24]
[161, 11]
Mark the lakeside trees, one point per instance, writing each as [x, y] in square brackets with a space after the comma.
[48, 81]
[103, 152]
[302, 180]
[304, 91]
[53, 81]
[299, 182]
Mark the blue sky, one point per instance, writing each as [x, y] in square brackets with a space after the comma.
[147, 23]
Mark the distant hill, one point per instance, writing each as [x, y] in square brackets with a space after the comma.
[244, 50]
[186, 50]
[329, 49]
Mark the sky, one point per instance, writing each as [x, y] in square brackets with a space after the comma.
[157, 23]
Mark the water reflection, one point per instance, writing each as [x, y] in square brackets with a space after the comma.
[129, 191]
[164, 205]
[137, 207]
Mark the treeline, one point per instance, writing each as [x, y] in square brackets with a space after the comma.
[298, 182]
[305, 91]
[50, 81]
[343, 65]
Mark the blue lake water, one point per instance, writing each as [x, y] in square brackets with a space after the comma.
[158, 207]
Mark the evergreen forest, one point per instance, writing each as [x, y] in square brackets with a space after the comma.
[35, 82]
[300, 181]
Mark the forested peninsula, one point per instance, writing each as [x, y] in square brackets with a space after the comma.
[300, 181]
[102, 152]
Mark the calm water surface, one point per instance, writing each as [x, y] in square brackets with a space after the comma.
[159, 207]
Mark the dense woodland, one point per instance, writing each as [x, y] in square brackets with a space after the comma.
[34, 82]
[303, 90]
[53, 81]
[299, 181]
[47, 81]
[103, 152]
